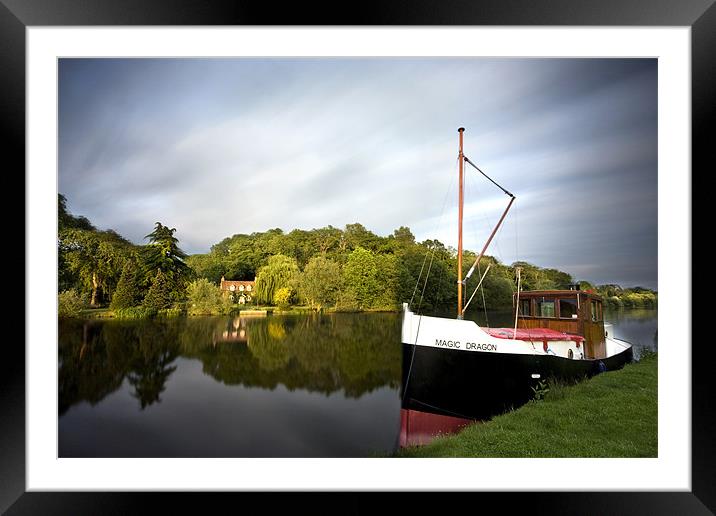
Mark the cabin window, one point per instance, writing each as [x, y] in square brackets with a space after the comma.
[525, 307]
[596, 311]
[545, 307]
[568, 308]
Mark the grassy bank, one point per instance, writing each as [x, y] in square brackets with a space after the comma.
[611, 415]
[139, 313]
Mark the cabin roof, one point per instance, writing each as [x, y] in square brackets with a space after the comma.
[558, 293]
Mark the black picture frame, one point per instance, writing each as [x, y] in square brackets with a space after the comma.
[17, 15]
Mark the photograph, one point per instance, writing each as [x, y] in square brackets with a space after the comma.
[357, 257]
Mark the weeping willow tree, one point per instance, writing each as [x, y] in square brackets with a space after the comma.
[278, 273]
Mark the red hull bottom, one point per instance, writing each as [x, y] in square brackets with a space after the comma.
[418, 428]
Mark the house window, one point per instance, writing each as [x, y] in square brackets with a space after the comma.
[545, 307]
[525, 307]
[248, 287]
[232, 287]
[568, 308]
[241, 288]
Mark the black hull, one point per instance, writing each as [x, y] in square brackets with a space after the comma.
[477, 385]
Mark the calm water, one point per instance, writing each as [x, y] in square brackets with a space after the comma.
[281, 386]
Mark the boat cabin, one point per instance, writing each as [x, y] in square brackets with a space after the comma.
[570, 311]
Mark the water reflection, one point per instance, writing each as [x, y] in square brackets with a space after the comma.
[280, 386]
[320, 353]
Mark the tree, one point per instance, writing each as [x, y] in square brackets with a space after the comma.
[387, 280]
[129, 288]
[356, 235]
[586, 286]
[319, 282]
[95, 258]
[404, 236]
[160, 294]
[206, 298]
[282, 297]
[360, 277]
[65, 220]
[278, 273]
[69, 304]
[209, 266]
[163, 253]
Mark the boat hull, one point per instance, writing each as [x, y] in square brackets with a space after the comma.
[479, 385]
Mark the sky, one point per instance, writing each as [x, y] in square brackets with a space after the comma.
[216, 147]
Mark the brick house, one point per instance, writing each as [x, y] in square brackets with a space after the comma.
[240, 291]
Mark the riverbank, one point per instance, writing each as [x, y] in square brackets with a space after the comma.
[611, 415]
[138, 313]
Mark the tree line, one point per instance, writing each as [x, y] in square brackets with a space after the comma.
[320, 353]
[349, 269]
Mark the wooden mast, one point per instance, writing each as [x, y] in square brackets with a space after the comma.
[459, 232]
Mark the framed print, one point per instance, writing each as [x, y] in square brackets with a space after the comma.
[41, 46]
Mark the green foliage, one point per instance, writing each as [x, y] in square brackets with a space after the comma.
[636, 297]
[646, 354]
[498, 291]
[207, 266]
[175, 311]
[160, 294]
[69, 304]
[278, 273]
[350, 269]
[134, 312]
[66, 220]
[540, 390]
[204, 298]
[360, 277]
[163, 253]
[536, 278]
[282, 297]
[346, 302]
[319, 283]
[129, 288]
[93, 260]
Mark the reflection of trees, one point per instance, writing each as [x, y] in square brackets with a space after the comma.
[322, 353]
[156, 349]
[90, 368]
[96, 356]
[319, 353]
[267, 343]
[639, 315]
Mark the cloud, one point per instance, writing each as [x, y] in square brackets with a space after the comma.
[222, 146]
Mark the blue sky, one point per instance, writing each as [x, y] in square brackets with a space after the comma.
[216, 147]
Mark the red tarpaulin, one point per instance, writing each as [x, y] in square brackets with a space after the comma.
[538, 334]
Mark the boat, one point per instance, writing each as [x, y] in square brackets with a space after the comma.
[453, 367]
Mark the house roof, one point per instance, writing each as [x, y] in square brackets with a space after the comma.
[225, 284]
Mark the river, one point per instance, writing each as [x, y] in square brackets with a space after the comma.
[277, 386]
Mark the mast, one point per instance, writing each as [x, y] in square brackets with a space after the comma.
[459, 231]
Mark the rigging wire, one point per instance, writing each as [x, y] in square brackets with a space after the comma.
[430, 265]
[432, 255]
[474, 234]
[437, 224]
[484, 304]
[488, 177]
[410, 303]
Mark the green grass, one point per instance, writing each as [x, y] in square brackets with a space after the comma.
[96, 313]
[611, 415]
